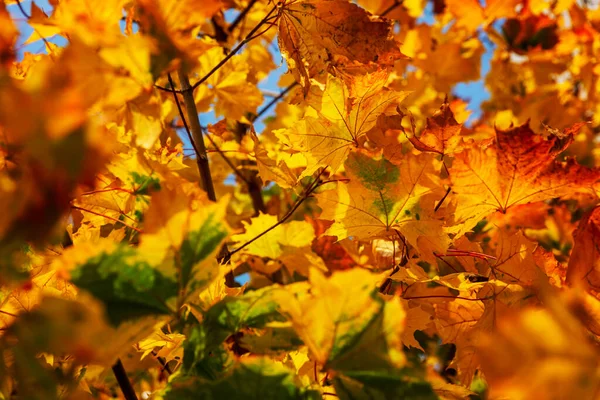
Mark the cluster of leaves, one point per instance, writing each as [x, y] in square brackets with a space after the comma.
[366, 243]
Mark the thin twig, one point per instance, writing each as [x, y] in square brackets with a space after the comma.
[308, 191]
[391, 7]
[248, 38]
[240, 16]
[236, 171]
[106, 216]
[8, 313]
[22, 10]
[123, 381]
[274, 100]
[439, 257]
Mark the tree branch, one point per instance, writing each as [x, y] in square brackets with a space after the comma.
[123, 381]
[187, 130]
[196, 134]
[274, 100]
[185, 124]
[106, 216]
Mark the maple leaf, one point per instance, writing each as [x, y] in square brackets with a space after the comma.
[229, 89]
[519, 260]
[339, 119]
[270, 169]
[584, 264]
[174, 25]
[249, 376]
[332, 317]
[441, 134]
[94, 24]
[315, 34]
[286, 245]
[525, 34]
[442, 61]
[182, 234]
[519, 167]
[382, 199]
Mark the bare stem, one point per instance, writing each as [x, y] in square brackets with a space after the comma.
[123, 381]
[196, 133]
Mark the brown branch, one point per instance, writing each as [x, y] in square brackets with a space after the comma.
[241, 16]
[185, 124]
[236, 171]
[123, 381]
[273, 101]
[248, 38]
[196, 134]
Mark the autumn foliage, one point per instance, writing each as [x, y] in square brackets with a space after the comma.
[171, 227]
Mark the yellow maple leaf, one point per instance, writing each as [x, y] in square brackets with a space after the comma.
[339, 119]
[183, 232]
[382, 199]
[336, 310]
[288, 244]
[229, 89]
